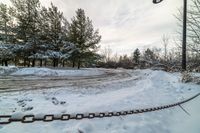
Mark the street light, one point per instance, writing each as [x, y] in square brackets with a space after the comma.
[184, 41]
[157, 1]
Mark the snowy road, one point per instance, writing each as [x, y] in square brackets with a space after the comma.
[31, 82]
[107, 90]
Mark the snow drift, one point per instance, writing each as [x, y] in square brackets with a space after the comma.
[14, 71]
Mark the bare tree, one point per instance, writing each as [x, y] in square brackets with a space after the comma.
[115, 57]
[107, 52]
[165, 40]
[193, 33]
[193, 28]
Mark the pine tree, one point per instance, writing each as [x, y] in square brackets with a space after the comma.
[27, 14]
[6, 24]
[136, 56]
[149, 55]
[55, 20]
[82, 34]
[56, 35]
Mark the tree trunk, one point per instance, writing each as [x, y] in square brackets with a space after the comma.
[24, 62]
[45, 63]
[63, 63]
[57, 62]
[40, 63]
[15, 61]
[54, 63]
[79, 64]
[29, 63]
[33, 63]
[2, 63]
[6, 63]
[73, 65]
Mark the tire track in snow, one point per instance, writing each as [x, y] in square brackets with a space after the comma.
[27, 83]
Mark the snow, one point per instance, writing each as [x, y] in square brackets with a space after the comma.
[196, 74]
[47, 72]
[118, 90]
[7, 70]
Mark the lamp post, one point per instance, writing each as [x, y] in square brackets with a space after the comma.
[184, 41]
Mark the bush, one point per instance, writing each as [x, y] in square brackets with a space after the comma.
[188, 77]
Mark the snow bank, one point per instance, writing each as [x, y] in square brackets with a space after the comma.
[7, 70]
[52, 72]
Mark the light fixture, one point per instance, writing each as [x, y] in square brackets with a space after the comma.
[157, 1]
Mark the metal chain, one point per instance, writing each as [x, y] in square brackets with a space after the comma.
[6, 119]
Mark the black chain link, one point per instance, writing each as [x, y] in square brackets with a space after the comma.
[6, 119]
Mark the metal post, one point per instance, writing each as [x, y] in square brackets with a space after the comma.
[184, 35]
[184, 41]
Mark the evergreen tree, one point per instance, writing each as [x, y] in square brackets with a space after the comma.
[82, 34]
[136, 56]
[149, 55]
[6, 54]
[27, 14]
[56, 35]
[6, 24]
[41, 33]
[55, 32]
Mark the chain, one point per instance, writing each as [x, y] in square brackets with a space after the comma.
[6, 119]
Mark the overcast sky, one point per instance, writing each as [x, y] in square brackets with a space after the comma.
[125, 24]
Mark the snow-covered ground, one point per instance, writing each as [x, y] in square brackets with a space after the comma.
[109, 90]
[12, 70]
[7, 70]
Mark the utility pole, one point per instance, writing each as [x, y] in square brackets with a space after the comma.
[184, 35]
[184, 39]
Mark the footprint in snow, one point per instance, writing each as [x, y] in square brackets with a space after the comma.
[14, 110]
[56, 102]
[27, 109]
[22, 102]
[62, 102]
